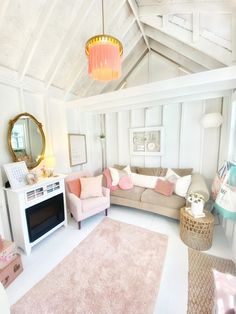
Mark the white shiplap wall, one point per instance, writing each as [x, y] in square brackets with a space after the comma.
[186, 143]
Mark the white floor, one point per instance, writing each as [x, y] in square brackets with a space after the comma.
[172, 297]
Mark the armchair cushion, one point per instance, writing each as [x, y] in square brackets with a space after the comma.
[91, 187]
[89, 204]
[74, 186]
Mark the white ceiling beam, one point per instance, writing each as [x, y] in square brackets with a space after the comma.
[196, 26]
[217, 39]
[151, 104]
[116, 12]
[214, 38]
[3, 9]
[10, 78]
[128, 68]
[212, 82]
[186, 50]
[217, 52]
[135, 10]
[170, 7]
[80, 69]
[176, 57]
[165, 20]
[131, 67]
[36, 37]
[67, 41]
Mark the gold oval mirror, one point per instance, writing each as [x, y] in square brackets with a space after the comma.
[26, 140]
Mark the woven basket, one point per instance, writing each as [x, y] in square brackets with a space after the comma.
[196, 233]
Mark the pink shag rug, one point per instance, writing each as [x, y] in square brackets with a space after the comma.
[116, 269]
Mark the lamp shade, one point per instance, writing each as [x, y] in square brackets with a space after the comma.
[104, 57]
[50, 161]
[212, 120]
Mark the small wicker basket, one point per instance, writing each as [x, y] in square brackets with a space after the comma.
[196, 233]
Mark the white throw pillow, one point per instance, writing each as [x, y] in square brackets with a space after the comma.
[143, 180]
[127, 169]
[115, 176]
[91, 187]
[182, 183]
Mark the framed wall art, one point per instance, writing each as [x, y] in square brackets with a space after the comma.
[146, 141]
[77, 149]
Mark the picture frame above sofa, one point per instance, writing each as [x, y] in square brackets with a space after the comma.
[146, 141]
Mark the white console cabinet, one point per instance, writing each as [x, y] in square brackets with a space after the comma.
[36, 211]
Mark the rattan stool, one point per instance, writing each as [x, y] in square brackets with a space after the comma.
[196, 232]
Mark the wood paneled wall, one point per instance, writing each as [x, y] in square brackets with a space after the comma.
[186, 142]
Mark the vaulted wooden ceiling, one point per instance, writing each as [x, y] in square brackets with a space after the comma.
[45, 40]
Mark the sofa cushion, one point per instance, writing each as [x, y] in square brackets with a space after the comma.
[143, 180]
[150, 171]
[182, 172]
[126, 183]
[125, 167]
[107, 180]
[182, 183]
[92, 203]
[173, 201]
[165, 187]
[133, 194]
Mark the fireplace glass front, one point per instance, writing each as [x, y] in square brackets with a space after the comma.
[44, 216]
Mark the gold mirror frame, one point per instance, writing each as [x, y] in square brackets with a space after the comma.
[9, 135]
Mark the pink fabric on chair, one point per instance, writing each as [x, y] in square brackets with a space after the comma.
[93, 203]
[74, 186]
[84, 208]
[109, 185]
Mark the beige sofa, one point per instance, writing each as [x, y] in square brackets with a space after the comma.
[148, 199]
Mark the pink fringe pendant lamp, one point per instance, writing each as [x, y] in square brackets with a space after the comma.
[104, 56]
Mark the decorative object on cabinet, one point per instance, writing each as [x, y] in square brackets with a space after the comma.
[77, 149]
[146, 141]
[26, 139]
[16, 173]
[32, 178]
[36, 211]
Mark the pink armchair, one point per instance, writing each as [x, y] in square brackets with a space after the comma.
[81, 209]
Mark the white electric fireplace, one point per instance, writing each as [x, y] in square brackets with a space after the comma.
[36, 211]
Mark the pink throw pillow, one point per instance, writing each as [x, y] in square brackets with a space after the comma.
[164, 187]
[91, 187]
[74, 186]
[126, 183]
[109, 185]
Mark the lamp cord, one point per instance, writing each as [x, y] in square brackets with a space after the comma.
[102, 18]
